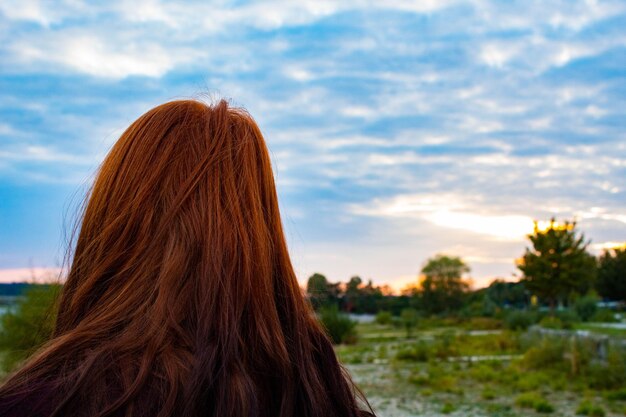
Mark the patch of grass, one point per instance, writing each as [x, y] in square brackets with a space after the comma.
[547, 354]
[586, 408]
[417, 352]
[488, 394]
[609, 331]
[619, 395]
[535, 401]
[448, 408]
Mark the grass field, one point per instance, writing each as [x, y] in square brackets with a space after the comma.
[458, 370]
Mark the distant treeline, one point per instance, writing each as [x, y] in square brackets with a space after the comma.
[14, 289]
[557, 270]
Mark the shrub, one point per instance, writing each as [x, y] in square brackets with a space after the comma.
[551, 322]
[488, 394]
[547, 353]
[482, 372]
[535, 401]
[445, 345]
[530, 381]
[383, 317]
[611, 375]
[418, 352]
[619, 395]
[339, 326]
[586, 408]
[448, 408]
[483, 323]
[604, 315]
[568, 318]
[29, 325]
[586, 306]
[409, 317]
[520, 320]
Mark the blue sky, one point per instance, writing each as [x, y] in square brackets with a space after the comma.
[398, 129]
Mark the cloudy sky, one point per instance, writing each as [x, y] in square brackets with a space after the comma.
[398, 129]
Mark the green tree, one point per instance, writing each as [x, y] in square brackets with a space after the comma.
[611, 282]
[352, 294]
[29, 324]
[558, 264]
[507, 294]
[318, 290]
[442, 287]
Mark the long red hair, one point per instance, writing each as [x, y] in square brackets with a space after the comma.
[181, 299]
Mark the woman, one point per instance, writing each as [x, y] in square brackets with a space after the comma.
[181, 299]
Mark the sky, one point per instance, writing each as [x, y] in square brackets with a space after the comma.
[398, 130]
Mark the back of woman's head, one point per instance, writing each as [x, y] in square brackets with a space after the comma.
[181, 299]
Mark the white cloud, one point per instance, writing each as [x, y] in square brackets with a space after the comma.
[103, 57]
[451, 211]
[40, 154]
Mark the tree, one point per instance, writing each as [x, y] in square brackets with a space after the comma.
[611, 282]
[507, 294]
[29, 324]
[442, 287]
[352, 295]
[318, 290]
[558, 264]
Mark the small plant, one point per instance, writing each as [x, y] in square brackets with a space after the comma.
[535, 401]
[418, 352]
[551, 322]
[384, 317]
[568, 318]
[520, 320]
[488, 394]
[586, 408]
[548, 353]
[448, 408]
[445, 345]
[611, 375]
[605, 316]
[586, 306]
[619, 395]
[409, 317]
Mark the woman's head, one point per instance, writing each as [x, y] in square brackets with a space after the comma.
[181, 298]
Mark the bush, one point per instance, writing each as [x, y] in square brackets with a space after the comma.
[29, 325]
[339, 326]
[611, 375]
[619, 395]
[604, 315]
[548, 353]
[551, 322]
[535, 401]
[586, 306]
[383, 317]
[418, 352]
[446, 345]
[482, 323]
[448, 408]
[520, 320]
[586, 408]
[568, 318]
[409, 319]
